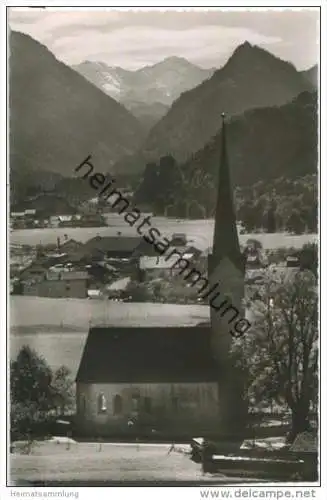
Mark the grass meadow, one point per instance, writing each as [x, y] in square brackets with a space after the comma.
[112, 462]
[200, 232]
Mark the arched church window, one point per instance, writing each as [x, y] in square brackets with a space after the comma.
[135, 403]
[102, 403]
[117, 405]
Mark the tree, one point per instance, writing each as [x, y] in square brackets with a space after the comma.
[148, 189]
[309, 257]
[280, 356]
[36, 392]
[271, 220]
[30, 379]
[295, 223]
[250, 218]
[63, 393]
[166, 182]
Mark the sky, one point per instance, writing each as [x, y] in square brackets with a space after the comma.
[133, 39]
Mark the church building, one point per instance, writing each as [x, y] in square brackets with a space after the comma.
[177, 381]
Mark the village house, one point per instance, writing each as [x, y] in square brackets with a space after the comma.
[66, 270]
[155, 267]
[117, 289]
[152, 265]
[67, 220]
[60, 220]
[114, 247]
[159, 266]
[68, 245]
[178, 381]
[92, 220]
[41, 208]
[27, 219]
[57, 284]
[179, 240]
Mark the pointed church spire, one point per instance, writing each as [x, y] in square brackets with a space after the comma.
[225, 239]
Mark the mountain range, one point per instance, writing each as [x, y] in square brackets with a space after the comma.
[251, 78]
[277, 141]
[147, 92]
[57, 118]
[263, 144]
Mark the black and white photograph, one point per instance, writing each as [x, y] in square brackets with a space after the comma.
[163, 250]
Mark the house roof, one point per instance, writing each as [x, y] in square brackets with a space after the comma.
[252, 258]
[65, 218]
[157, 262]
[62, 274]
[113, 243]
[148, 355]
[179, 239]
[120, 284]
[70, 244]
[145, 249]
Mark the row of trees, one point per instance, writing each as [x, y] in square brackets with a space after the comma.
[279, 205]
[37, 393]
[276, 205]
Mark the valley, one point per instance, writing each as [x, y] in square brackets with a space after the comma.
[198, 231]
[164, 245]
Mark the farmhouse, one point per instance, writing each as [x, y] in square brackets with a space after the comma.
[45, 205]
[156, 267]
[178, 381]
[58, 283]
[117, 247]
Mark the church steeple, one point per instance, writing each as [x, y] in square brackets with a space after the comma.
[226, 277]
[225, 239]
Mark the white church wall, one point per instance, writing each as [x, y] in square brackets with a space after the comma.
[186, 405]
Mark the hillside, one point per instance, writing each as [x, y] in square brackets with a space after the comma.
[148, 114]
[57, 118]
[263, 144]
[267, 143]
[251, 78]
[147, 92]
[311, 76]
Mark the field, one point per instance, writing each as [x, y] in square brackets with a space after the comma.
[114, 462]
[198, 231]
[80, 313]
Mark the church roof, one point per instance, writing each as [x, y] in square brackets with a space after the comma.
[147, 355]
